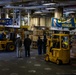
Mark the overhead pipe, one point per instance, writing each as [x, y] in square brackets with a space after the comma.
[32, 7]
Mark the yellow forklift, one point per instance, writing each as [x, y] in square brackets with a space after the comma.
[58, 49]
[6, 44]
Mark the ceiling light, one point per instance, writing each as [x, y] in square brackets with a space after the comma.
[50, 8]
[69, 12]
[37, 12]
[49, 4]
[7, 5]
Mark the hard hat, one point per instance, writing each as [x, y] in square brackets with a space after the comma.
[66, 43]
[18, 36]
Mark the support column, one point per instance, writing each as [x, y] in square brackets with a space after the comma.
[39, 21]
[45, 22]
[58, 12]
[6, 14]
[0, 13]
[19, 18]
[13, 16]
[28, 18]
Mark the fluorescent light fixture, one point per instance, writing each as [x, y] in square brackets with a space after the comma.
[37, 12]
[68, 12]
[49, 4]
[7, 5]
[50, 8]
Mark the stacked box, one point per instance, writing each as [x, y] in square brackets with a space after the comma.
[34, 44]
[35, 38]
[74, 48]
[38, 32]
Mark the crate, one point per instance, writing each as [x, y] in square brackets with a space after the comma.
[38, 32]
[34, 45]
[34, 38]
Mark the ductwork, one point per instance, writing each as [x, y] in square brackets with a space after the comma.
[31, 7]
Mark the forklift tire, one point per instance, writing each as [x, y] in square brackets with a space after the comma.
[58, 62]
[46, 57]
[10, 47]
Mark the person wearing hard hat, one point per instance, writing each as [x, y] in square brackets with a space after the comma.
[3, 35]
[65, 42]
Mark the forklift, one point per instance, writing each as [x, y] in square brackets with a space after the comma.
[58, 50]
[6, 44]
